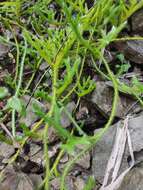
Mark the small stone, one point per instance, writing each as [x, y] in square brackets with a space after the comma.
[55, 184]
[16, 180]
[102, 97]
[34, 148]
[84, 161]
[38, 158]
[65, 121]
[4, 49]
[52, 135]
[6, 150]
[43, 66]
[53, 150]
[64, 159]
[79, 183]
[82, 113]
[137, 22]
[133, 179]
[36, 180]
[132, 50]
[69, 183]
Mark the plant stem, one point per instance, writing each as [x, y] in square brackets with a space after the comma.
[46, 156]
[18, 87]
[21, 69]
[32, 77]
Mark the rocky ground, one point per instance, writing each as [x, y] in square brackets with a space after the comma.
[116, 162]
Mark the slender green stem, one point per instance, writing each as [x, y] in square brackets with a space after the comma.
[17, 57]
[129, 38]
[74, 122]
[18, 87]
[32, 77]
[21, 69]
[54, 168]
[98, 70]
[70, 164]
[114, 105]
[47, 174]
[13, 123]
[58, 60]
[46, 156]
[139, 99]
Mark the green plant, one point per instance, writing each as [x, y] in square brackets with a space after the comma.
[86, 87]
[62, 43]
[123, 67]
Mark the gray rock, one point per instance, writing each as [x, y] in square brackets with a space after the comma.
[69, 185]
[54, 150]
[102, 97]
[38, 158]
[103, 148]
[65, 121]
[6, 150]
[84, 162]
[4, 49]
[133, 179]
[64, 159]
[101, 153]
[36, 180]
[133, 51]
[137, 22]
[79, 183]
[136, 132]
[17, 180]
[55, 184]
[34, 149]
[43, 66]
[3, 74]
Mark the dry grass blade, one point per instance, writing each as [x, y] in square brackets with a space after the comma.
[115, 160]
